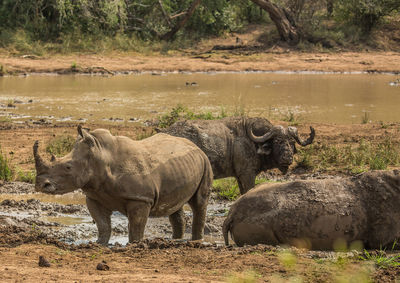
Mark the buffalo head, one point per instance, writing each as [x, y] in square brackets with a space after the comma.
[66, 174]
[278, 144]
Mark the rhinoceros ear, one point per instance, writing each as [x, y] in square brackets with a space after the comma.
[86, 136]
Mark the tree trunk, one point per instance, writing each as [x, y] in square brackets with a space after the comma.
[286, 29]
[182, 22]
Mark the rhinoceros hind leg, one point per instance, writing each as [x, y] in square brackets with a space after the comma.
[177, 220]
[199, 207]
[138, 213]
[102, 217]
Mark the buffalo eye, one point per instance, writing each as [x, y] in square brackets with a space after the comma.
[68, 167]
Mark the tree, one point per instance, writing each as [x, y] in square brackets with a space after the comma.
[283, 21]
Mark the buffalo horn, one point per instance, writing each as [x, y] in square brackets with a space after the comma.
[293, 132]
[260, 139]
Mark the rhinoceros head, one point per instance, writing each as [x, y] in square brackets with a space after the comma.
[66, 174]
[278, 145]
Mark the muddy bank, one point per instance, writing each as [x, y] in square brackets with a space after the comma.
[72, 223]
[204, 61]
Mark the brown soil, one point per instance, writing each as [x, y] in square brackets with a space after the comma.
[164, 261]
[282, 60]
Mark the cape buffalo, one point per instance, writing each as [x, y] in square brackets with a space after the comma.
[152, 177]
[242, 147]
[319, 212]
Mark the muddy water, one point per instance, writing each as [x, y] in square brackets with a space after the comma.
[337, 98]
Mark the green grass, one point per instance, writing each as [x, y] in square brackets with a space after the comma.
[180, 112]
[354, 159]
[27, 177]
[6, 172]
[60, 146]
[381, 259]
[228, 188]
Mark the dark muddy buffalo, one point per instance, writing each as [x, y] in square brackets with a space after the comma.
[318, 213]
[242, 147]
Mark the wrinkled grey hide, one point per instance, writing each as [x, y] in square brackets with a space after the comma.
[242, 147]
[319, 212]
[152, 177]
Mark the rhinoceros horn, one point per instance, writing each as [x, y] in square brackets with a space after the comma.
[293, 132]
[268, 135]
[40, 164]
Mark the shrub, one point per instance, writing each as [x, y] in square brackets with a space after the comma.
[60, 146]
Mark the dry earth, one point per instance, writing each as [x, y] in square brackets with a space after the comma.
[206, 62]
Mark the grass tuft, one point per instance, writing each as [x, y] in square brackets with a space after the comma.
[60, 146]
[6, 173]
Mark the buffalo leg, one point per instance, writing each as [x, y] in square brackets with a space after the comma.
[137, 213]
[102, 217]
[199, 207]
[178, 224]
[245, 182]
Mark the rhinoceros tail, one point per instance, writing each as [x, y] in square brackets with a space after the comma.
[226, 227]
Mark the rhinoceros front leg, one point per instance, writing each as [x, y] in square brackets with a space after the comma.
[177, 220]
[137, 212]
[102, 217]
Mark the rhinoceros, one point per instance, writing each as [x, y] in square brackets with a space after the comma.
[319, 213]
[152, 177]
[242, 147]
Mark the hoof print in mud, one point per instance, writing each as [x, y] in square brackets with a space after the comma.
[102, 266]
[43, 262]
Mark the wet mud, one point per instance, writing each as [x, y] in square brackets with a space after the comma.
[53, 218]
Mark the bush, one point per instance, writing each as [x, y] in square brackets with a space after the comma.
[365, 14]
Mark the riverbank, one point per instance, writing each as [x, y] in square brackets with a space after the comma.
[274, 60]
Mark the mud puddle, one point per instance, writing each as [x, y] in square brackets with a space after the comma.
[66, 217]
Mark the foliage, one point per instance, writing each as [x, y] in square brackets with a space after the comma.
[6, 172]
[60, 146]
[376, 156]
[365, 14]
[180, 112]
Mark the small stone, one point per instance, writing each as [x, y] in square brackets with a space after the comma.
[43, 262]
[102, 266]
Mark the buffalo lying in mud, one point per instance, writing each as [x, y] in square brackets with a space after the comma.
[242, 147]
[319, 212]
[152, 177]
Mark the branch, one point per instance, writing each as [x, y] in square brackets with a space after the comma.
[167, 18]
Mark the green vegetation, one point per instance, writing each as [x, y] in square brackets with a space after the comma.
[6, 173]
[355, 159]
[182, 113]
[60, 146]
[381, 259]
[60, 26]
[228, 188]
[27, 177]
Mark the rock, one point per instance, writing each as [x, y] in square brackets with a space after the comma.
[43, 262]
[102, 266]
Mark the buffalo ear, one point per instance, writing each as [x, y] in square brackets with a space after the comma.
[86, 136]
[264, 149]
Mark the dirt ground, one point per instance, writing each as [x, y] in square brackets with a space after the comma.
[212, 61]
